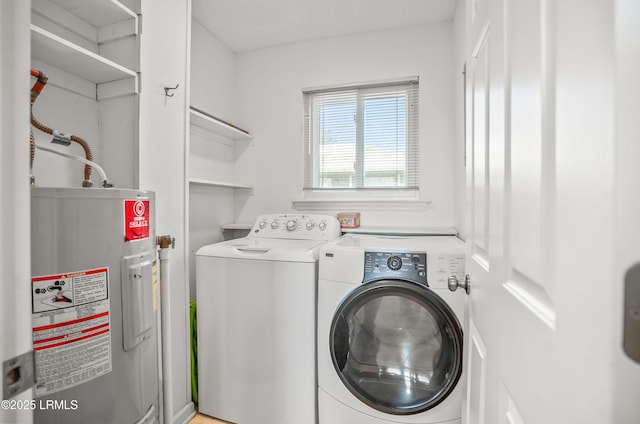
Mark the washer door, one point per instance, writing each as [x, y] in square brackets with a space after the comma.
[397, 346]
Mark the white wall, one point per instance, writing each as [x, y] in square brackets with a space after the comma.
[211, 157]
[212, 73]
[163, 169]
[269, 96]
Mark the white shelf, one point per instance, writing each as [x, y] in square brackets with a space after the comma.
[216, 126]
[198, 181]
[56, 51]
[98, 13]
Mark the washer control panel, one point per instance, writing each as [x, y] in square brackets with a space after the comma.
[296, 226]
[410, 266]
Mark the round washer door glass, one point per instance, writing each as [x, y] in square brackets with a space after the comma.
[397, 346]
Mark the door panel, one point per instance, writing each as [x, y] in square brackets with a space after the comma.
[525, 142]
[541, 135]
[482, 240]
[627, 205]
[480, 153]
[476, 364]
[510, 414]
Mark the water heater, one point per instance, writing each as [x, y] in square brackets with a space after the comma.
[94, 305]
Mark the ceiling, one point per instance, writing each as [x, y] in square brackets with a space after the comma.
[253, 24]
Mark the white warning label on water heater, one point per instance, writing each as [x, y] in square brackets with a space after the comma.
[71, 329]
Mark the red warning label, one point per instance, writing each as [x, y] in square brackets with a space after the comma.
[136, 219]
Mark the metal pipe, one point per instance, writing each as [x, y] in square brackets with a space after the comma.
[37, 88]
[103, 175]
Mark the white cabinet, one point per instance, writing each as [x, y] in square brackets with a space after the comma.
[89, 49]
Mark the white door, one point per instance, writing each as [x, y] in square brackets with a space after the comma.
[626, 380]
[15, 284]
[549, 200]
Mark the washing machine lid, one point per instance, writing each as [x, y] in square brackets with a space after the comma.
[397, 346]
[265, 249]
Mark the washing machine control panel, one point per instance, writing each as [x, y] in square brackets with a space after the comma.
[410, 266]
[296, 226]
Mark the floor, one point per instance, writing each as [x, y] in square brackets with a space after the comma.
[204, 419]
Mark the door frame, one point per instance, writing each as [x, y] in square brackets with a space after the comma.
[15, 250]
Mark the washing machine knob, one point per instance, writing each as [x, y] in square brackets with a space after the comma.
[322, 226]
[394, 263]
[310, 225]
[262, 224]
[275, 225]
[292, 224]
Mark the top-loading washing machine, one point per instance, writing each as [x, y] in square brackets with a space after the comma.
[390, 333]
[256, 321]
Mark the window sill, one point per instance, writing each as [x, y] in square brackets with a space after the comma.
[361, 204]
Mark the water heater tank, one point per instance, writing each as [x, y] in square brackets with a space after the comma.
[94, 306]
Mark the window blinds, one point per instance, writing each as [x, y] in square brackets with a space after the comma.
[362, 137]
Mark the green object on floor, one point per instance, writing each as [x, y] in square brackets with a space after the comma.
[194, 351]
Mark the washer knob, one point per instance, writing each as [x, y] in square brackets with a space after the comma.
[322, 226]
[262, 224]
[310, 225]
[292, 224]
[394, 263]
[275, 225]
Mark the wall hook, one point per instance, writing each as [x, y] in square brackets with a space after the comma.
[166, 90]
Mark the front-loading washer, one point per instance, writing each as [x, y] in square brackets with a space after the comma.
[256, 323]
[390, 333]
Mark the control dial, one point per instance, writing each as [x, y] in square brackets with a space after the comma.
[275, 225]
[263, 224]
[292, 224]
[322, 226]
[394, 263]
[310, 225]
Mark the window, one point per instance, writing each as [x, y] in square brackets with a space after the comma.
[362, 137]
